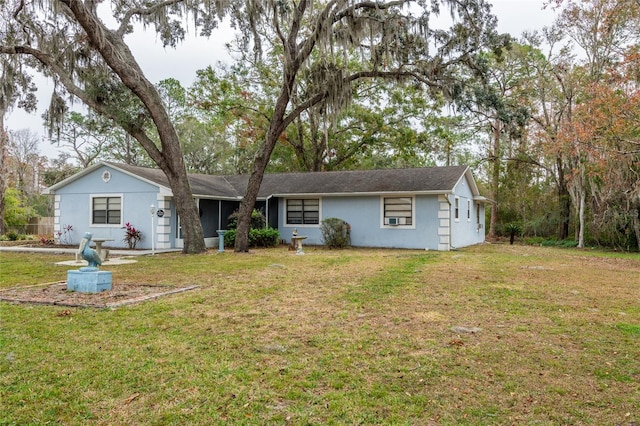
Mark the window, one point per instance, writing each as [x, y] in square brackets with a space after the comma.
[106, 210]
[478, 213]
[303, 211]
[457, 211]
[398, 211]
[468, 210]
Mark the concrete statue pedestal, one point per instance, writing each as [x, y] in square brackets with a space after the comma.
[89, 280]
[221, 233]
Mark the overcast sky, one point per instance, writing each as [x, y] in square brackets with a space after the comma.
[514, 17]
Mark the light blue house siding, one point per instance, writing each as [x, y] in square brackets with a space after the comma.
[431, 230]
[365, 216]
[446, 215]
[73, 203]
[468, 228]
[442, 221]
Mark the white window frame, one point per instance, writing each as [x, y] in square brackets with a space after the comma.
[456, 209]
[302, 225]
[106, 225]
[383, 221]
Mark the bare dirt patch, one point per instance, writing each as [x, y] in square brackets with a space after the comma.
[119, 295]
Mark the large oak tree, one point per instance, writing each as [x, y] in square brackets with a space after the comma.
[396, 40]
[72, 42]
[69, 41]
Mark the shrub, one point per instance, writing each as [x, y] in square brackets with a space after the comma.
[265, 237]
[17, 211]
[131, 235]
[534, 241]
[560, 243]
[230, 238]
[336, 233]
[260, 235]
[513, 229]
[258, 220]
[46, 241]
[64, 236]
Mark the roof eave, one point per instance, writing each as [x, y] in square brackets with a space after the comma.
[484, 200]
[472, 182]
[216, 197]
[351, 194]
[164, 190]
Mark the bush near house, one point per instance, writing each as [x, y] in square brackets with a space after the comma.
[132, 235]
[335, 232]
[258, 220]
[260, 235]
[265, 237]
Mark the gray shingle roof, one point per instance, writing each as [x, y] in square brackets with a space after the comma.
[411, 180]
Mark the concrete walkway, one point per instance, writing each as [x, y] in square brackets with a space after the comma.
[72, 251]
[116, 257]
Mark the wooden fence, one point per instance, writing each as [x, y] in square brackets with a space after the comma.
[40, 226]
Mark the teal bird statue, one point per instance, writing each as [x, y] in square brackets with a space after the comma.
[87, 253]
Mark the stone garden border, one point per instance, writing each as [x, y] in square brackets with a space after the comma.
[56, 293]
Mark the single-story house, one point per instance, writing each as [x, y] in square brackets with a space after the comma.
[434, 208]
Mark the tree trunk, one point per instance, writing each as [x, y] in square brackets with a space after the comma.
[564, 202]
[250, 196]
[253, 187]
[635, 221]
[189, 218]
[495, 181]
[4, 140]
[276, 127]
[170, 159]
[581, 213]
[171, 162]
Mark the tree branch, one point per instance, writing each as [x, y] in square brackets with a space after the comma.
[368, 5]
[142, 11]
[328, 18]
[68, 83]
[306, 47]
[276, 24]
[317, 98]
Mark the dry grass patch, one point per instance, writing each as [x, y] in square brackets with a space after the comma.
[337, 337]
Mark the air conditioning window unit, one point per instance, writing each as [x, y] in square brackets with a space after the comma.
[395, 221]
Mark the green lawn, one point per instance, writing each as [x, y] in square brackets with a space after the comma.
[334, 337]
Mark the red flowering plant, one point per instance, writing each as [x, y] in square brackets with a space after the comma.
[64, 235]
[131, 235]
